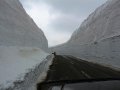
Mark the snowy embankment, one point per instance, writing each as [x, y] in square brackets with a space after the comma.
[17, 28]
[105, 52]
[18, 67]
[23, 48]
[98, 37]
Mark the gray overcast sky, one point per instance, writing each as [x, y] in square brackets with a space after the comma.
[59, 18]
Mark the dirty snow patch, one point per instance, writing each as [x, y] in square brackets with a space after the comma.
[16, 61]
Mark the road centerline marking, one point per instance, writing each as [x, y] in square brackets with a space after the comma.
[86, 75]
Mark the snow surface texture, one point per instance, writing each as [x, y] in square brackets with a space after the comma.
[22, 58]
[98, 38]
[17, 28]
[101, 24]
[35, 76]
[15, 62]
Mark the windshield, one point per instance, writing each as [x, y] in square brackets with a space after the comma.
[90, 85]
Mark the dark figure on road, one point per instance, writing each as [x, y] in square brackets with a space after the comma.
[54, 53]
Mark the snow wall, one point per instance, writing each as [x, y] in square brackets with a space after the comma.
[106, 52]
[33, 77]
[23, 47]
[98, 38]
[17, 28]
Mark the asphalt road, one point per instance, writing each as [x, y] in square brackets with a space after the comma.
[71, 68]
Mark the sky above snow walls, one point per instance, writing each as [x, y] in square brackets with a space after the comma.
[59, 18]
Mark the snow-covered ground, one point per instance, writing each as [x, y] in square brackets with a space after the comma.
[15, 62]
[98, 38]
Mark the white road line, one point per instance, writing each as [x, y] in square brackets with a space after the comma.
[88, 76]
[68, 59]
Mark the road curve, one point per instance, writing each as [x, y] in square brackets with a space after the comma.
[71, 68]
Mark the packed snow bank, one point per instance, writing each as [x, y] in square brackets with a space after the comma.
[35, 76]
[22, 46]
[98, 38]
[106, 52]
[103, 23]
[17, 28]
[15, 62]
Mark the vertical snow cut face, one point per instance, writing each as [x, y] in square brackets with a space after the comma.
[17, 28]
[23, 48]
[103, 23]
[98, 37]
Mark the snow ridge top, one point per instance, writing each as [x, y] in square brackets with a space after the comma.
[101, 24]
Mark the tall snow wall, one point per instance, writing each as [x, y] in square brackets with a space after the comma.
[23, 47]
[17, 28]
[98, 38]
